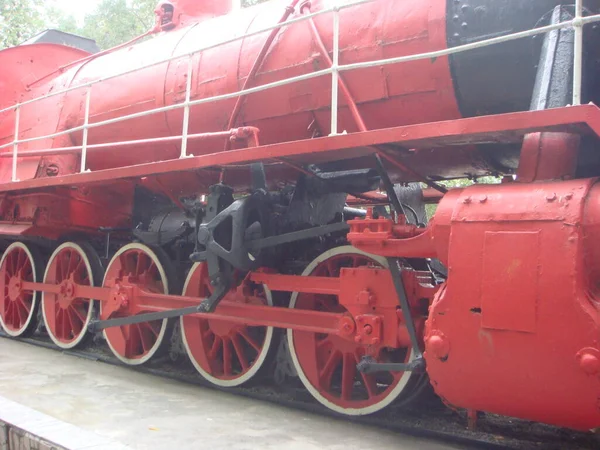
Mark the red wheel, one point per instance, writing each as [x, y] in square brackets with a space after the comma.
[136, 264]
[226, 354]
[326, 364]
[18, 307]
[66, 317]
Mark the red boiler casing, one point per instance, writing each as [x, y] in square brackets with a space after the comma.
[393, 95]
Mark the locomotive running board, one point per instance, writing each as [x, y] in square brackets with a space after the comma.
[502, 128]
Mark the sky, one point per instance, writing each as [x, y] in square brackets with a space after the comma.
[78, 8]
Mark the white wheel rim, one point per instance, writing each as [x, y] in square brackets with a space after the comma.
[90, 312]
[394, 393]
[25, 326]
[260, 359]
[163, 327]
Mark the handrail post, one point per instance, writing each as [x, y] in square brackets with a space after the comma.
[16, 142]
[335, 74]
[186, 109]
[578, 52]
[86, 121]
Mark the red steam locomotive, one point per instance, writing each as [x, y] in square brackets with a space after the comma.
[204, 181]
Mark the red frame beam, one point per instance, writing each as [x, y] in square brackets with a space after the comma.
[487, 129]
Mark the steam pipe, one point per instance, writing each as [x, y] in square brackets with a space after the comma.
[259, 60]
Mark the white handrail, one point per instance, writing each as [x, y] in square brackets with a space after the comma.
[578, 22]
[16, 143]
[335, 74]
[578, 52]
[86, 127]
[289, 22]
[200, 101]
[467, 47]
[186, 108]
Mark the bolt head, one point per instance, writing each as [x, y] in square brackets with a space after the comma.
[589, 363]
[438, 345]
[363, 297]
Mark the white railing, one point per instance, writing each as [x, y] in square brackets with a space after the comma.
[578, 23]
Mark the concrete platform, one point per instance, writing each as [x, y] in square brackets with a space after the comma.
[116, 405]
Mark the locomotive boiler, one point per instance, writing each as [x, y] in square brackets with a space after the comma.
[202, 173]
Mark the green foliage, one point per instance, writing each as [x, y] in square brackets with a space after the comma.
[113, 22]
[246, 3]
[19, 20]
[460, 183]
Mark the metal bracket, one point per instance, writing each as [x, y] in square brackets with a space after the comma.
[368, 365]
[206, 306]
[225, 235]
[389, 188]
[404, 306]
[309, 233]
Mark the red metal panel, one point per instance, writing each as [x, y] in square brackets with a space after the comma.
[509, 283]
[489, 363]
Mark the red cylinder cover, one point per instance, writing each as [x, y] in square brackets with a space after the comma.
[387, 96]
[518, 316]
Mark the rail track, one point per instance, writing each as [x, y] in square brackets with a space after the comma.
[428, 418]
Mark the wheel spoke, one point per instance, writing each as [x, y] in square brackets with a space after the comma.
[152, 329]
[326, 373]
[26, 307]
[133, 341]
[122, 344]
[323, 343]
[367, 380]
[20, 261]
[216, 345]
[348, 372]
[77, 314]
[145, 340]
[64, 324]
[227, 357]
[9, 314]
[249, 340]
[239, 351]
[81, 270]
[207, 334]
[75, 320]
[19, 317]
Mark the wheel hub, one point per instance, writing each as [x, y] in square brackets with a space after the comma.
[118, 299]
[15, 287]
[67, 292]
[223, 328]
